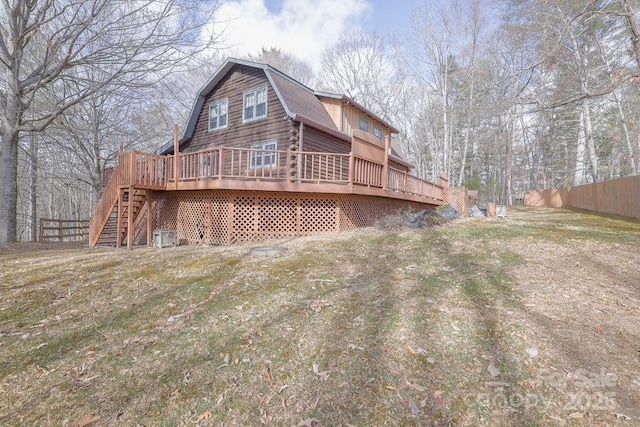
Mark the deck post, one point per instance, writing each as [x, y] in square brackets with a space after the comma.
[130, 219]
[150, 212]
[220, 163]
[351, 171]
[176, 155]
[119, 218]
[385, 165]
[132, 168]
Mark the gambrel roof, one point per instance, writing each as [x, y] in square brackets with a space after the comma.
[299, 102]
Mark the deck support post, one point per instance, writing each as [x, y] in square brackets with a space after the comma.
[150, 215]
[119, 218]
[130, 220]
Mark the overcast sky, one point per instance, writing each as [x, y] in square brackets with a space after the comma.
[306, 27]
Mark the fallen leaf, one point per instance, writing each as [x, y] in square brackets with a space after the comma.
[560, 421]
[497, 384]
[322, 374]
[87, 421]
[39, 346]
[493, 370]
[267, 375]
[204, 416]
[414, 409]
[532, 352]
[264, 417]
[437, 396]
[308, 422]
[416, 386]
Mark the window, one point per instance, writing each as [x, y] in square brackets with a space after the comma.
[218, 115]
[255, 104]
[377, 131]
[363, 123]
[263, 159]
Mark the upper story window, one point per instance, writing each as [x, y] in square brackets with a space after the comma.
[218, 114]
[263, 155]
[363, 123]
[255, 104]
[377, 131]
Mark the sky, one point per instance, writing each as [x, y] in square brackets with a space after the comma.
[306, 27]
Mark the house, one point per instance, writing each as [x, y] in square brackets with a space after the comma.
[262, 156]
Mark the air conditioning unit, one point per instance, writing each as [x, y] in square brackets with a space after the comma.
[164, 238]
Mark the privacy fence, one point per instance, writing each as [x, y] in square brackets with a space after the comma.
[618, 197]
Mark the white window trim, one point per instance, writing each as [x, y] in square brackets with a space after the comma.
[360, 117]
[218, 103]
[379, 128]
[254, 91]
[273, 157]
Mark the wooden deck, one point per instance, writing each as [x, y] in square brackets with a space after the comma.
[139, 173]
[287, 171]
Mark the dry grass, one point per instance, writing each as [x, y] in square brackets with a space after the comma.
[530, 320]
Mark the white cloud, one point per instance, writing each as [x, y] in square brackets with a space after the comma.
[302, 27]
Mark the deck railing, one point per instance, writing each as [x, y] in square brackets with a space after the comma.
[154, 171]
[402, 181]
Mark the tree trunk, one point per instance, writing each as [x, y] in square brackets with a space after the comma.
[588, 133]
[634, 31]
[627, 137]
[8, 186]
[578, 178]
[33, 187]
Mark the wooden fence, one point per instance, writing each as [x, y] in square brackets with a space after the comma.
[618, 197]
[62, 230]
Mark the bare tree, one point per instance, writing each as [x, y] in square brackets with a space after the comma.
[362, 66]
[287, 63]
[122, 42]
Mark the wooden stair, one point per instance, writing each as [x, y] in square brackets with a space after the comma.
[133, 202]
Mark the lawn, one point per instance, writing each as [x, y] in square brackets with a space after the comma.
[529, 320]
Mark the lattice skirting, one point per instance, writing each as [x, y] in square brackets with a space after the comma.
[457, 197]
[224, 217]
